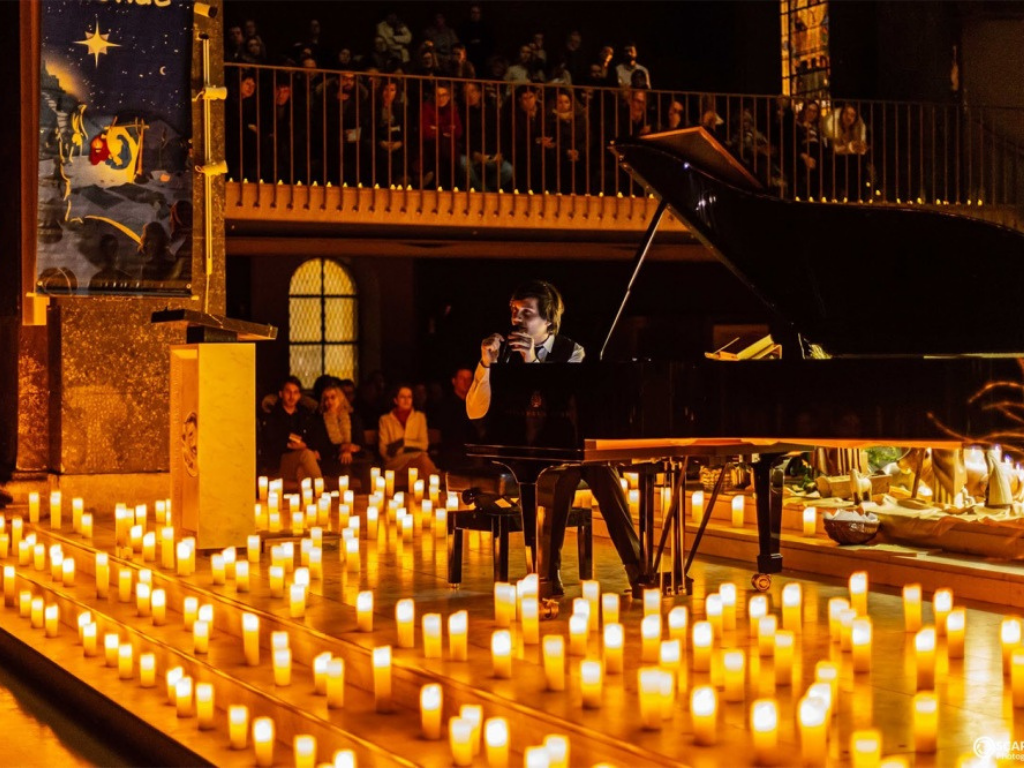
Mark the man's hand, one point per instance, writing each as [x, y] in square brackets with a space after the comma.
[490, 348]
[392, 449]
[523, 344]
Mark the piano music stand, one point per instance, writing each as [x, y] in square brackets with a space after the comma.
[213, 427]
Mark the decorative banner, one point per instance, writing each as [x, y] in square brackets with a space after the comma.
[115, 172]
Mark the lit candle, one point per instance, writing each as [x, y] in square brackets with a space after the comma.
[813, 717]
[189, 612]
[591, 683]
[866, 749]
[827, 672]
[55, 510]
[33, 507]
[713, 613]
[578, 633]
[530, 620]
[614, 640]
[810, 521]
[501, 653]
[276, 573]
[56, 561]
[352, 557]
[334, 683]
[766, 635]
[496, 739]
[756, 608]
[405, 619]
[263, 741]
[238, 726]
[557, 747]
[735, 677]
[297, 601]
[124, 585]
[591, 591]
[147, 670]
[89, 639]
[39, 557]
[51, 620]
[282, 658]
[649, 683]
[86, 525]
[111, 644]
[785, 641]
[738, 502]
[727, 595]
[251, 638]
[242, 576]
[158, 606]
[650, 633]
[956, 624]
[217, 568]
[678, 624]
[836, 606]
[10, 585]
[861, 644]
[474, 714]
[703, 640]
[172, 677]
[432, 636]
[67, 567]
[1010, 638]
[36, 608]
[183, 697]
[431, 700]
[382, 678]
[764, 722]
[149, 547]
[924, 647]
[184, 557]
[364, 611]
[458, 643]
[703, 711]
[25, 604]
[859, 592]
[846, 619]
[697, 506]
[554, 662]
[389, 482]
[926, 721]
[252, 549]
[942, 604]
[77, 505]
[460, 740]
[200, 637]
[652, 602]
[504, 603]
[263, 485]
[792, 607]
[204, 706]
[912, 607]
[167, 547]
[143, 599]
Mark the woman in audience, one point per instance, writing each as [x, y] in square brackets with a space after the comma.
[402, 436]
[849, 143]
[567, 127]
[390, 150]
[810, 170]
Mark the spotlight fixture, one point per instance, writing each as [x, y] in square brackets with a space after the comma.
[213, 169]
[205, 10]
[212, 93]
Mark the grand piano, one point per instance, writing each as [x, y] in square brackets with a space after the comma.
[908, 326]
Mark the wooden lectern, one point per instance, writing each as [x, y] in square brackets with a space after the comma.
[213, 427]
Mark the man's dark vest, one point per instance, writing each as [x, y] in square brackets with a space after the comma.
[561, 350]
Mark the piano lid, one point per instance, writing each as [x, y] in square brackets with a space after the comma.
[859, 280]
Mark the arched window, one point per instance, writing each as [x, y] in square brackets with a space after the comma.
[323, 332]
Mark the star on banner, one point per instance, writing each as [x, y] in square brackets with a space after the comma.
[97, 42]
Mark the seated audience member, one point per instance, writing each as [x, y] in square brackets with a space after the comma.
[283, 434]
[809, 167]
[348, 388]
[456, 427]
[443, 37]
[441, 134]
[390, 150]
[567, 125]
[333, 438]
[347, 119]
[402, 436]
[459, 65]
[483, 164]
[523, 70]
[629, 73]
[525, 127]
[396, 36]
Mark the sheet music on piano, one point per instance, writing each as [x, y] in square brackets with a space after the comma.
[762, 349]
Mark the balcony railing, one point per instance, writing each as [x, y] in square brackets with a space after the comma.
[314, 127]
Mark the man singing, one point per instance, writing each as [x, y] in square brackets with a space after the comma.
[537, 309]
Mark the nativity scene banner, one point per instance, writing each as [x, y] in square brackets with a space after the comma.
[115, 124]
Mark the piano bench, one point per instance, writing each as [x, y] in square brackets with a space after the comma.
[500, 522]
[475, 483]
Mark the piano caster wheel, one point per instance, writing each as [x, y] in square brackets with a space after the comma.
[762, 582]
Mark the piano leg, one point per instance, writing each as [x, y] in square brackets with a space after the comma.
[769, 521]
[528, 508]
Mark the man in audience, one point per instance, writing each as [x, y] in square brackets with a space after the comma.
[487, 169]
[525, 126]
[575, 63]
[629, 67]
[523, 70]
[397, 36]
[443, 37]
[441, 131]
[283, 433]
[477, 37]
[451, 418]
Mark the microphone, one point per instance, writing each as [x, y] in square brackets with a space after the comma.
[506, 353]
